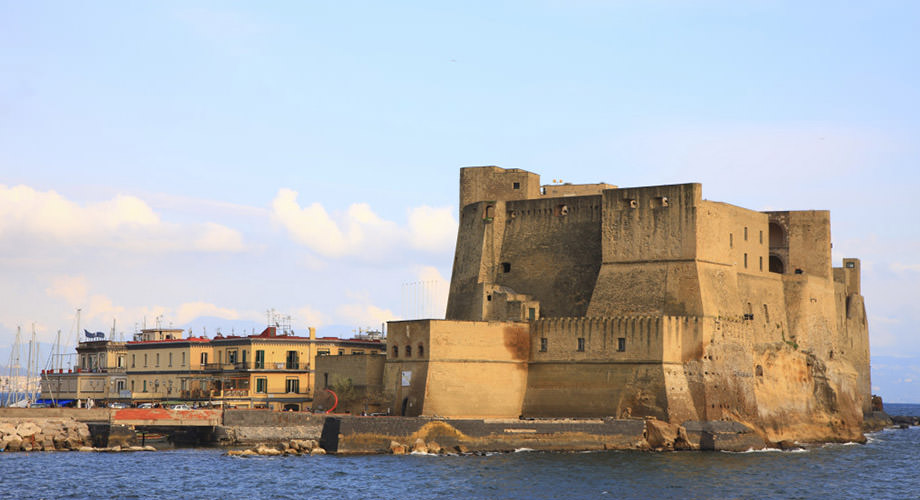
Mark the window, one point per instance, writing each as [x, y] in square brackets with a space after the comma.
[133, 361]
[145, 360]
[325, 380]
[121, 361]
[731, 240]
[322, 352]
[745, 234]
[357, 351]
[132, 386]
[395, 351]
[506, 267]
[408, 351]
[204, 358]
[145, 386]
[170, 359]
[850, 265]
[158, 359]
[489, 297]
[261, 385]
[120, 385]
[531, 313]
[761, 237]
[543, 344]
[621, 344]
[183, 385]
[761, 262]
[581, 344]
[231, 356]
[183, 359]
[244, 356]
[292, 385]
[341, 352]
[291, 361]
[260, 359]
[516, 185]
[421, 350]
[766, 313]
[745, 261]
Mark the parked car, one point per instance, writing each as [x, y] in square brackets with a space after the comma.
[117, 405]
[180, 407]
[145, 405]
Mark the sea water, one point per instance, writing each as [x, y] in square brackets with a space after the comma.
[885, 467]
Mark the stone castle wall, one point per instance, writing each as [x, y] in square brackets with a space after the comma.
[726, 313]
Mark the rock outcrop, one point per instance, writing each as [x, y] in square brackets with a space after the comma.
[292, 447]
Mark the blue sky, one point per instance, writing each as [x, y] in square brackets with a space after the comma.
[217, 159]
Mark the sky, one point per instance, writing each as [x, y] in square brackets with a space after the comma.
[202, 163]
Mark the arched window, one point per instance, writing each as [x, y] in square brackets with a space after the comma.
[408, 351]
[395, 351]
[777, 235]
[421, 350]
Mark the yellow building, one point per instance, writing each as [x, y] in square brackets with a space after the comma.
[269, 370]
[273, 370]
[100, 374]
[161, 366]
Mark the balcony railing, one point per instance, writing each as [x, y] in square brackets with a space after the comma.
[257, 366]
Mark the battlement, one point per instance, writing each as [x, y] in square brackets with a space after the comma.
[626, 339]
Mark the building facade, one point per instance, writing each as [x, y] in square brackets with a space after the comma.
[270, 370]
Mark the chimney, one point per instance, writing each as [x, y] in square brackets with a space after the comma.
[312, 333]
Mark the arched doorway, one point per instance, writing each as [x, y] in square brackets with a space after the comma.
[776, 264]
[777, 236]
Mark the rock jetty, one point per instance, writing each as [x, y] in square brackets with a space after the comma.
[292, 447]
[43, 435]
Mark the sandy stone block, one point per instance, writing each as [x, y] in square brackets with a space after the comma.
[397, 449]
[14, 443]
[419, 446]
[27, 429]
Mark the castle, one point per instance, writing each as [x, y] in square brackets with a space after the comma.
[598, 301]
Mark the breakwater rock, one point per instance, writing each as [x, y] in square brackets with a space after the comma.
[43, 434]
[292, 447]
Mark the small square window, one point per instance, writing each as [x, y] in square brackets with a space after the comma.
[506, 267]
[516, 185]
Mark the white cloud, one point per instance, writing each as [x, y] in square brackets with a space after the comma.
[191, 310]
[48, 214]
[70, 288]
[310, 317]
[217, 238]
[897, 267]
[361, 232]
[34, 219]
[432, 229]
[364, 315]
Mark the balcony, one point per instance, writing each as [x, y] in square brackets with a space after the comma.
[227, 367]
[285, 366]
